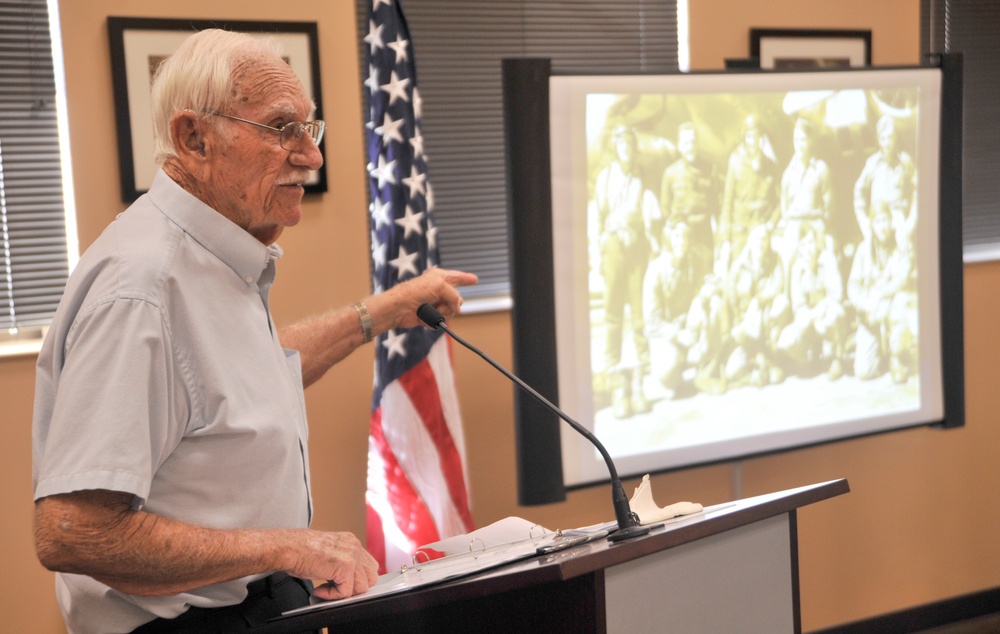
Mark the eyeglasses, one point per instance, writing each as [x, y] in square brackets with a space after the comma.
[291, 134]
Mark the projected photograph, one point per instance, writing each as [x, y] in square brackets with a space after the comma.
[733, 288]
[744, 263]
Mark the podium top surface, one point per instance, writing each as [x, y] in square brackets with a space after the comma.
[566, 564]
[714, 520]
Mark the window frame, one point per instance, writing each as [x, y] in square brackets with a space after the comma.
[18, 339]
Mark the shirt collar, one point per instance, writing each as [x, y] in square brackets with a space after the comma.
[243, 253]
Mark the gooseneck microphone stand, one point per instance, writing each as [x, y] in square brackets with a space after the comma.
[628, 522]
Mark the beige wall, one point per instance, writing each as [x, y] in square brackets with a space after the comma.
[920, 523]
[720, 29]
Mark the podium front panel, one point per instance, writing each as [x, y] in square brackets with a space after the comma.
[739, 581]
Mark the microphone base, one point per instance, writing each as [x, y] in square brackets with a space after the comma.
[628, 533]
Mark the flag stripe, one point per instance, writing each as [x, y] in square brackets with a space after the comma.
[442, 361]
[414, 448]
[375, 536]
[421, 386]
[410, 514]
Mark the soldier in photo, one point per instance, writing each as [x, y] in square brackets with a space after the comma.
[689, 193]
[750, 196]
[889, 179]
[620, 198]
[669, 288]
[760, 308]
[818, 330]
[881, 287]
[805, 192]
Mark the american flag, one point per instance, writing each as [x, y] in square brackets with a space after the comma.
[416, 455]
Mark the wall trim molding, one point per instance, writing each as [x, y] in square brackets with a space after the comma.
[928, 615]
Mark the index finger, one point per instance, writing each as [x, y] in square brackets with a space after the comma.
[460, 278]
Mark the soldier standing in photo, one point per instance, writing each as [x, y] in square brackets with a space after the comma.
[619, 198]
[805, 192]
[889, 179]
[689, 194]
[750, 196]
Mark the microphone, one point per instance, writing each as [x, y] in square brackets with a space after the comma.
[628, 522]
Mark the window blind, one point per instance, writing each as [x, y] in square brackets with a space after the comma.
[458, 48]
[33, 252]
[970, 27]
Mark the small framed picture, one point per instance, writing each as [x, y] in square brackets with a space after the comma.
[139, 45]
[792, 49]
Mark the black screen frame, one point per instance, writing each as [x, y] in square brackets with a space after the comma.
[526, 117]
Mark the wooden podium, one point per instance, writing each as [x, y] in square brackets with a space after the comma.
[732, 568]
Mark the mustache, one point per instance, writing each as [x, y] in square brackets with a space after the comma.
[295, 179]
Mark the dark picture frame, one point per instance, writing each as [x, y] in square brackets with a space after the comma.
[802, 49]
[139, 44]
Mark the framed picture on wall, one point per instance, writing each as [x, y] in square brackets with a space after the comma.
[792, 49]
[139, 45]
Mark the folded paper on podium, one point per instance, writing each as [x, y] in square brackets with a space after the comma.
[642, 504]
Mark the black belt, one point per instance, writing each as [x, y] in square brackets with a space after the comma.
[266, 599]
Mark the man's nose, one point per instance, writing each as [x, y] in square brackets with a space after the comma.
[307, 155]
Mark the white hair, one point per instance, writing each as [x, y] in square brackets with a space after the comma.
[202, 76]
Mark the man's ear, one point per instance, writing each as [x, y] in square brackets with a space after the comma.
[191, 144]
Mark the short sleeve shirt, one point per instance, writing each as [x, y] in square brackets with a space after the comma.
[162, 376]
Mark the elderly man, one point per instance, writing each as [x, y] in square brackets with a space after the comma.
[171, 471]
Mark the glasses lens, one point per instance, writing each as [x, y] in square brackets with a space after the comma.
[293, 134]
[316, 131]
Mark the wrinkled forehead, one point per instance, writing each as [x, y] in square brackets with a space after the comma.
[270, 85]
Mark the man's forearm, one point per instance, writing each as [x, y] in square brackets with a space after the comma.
[323, 341]
[95, 533]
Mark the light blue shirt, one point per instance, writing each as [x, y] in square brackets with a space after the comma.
[162, 376]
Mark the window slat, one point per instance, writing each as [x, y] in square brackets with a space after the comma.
[33, 248]
[970, 27]
[458, 47]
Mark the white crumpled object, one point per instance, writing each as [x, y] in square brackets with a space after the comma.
[642, 504]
